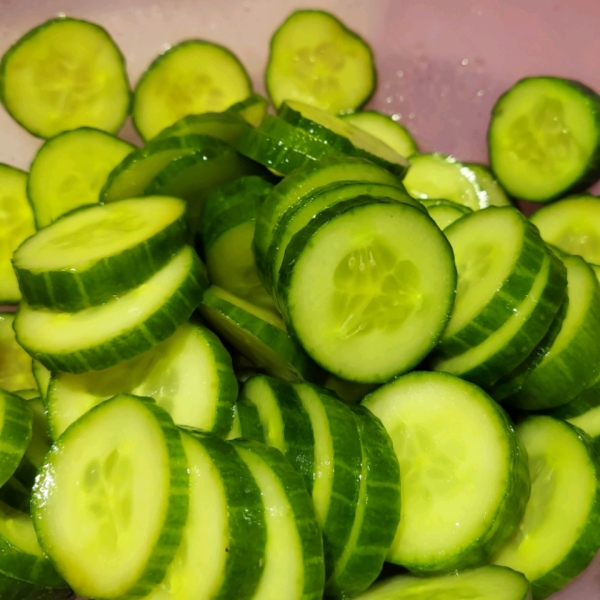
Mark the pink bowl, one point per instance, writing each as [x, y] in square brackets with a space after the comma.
[441, 65]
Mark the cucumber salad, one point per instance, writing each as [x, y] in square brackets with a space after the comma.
[275, 351]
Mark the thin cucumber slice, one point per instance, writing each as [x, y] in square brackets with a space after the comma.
[485, 583]
[384, 128]
[489, 185]
[544, 138]
[316, 59]
[224, 126]
[189, 375]
[257, 333]
[552, 544]
[64, 74]
[16, 421]
[100, 337]
[572, 225]
[70, 169]
[342, 135]
[441, 176]
[222, 553]
[16, 224]
[110, 529]
[98, 252]
[252, 109]
[386, 280]
[465, 481]
[498, 257]
[42, 378]
[294, 566]
[192, 77]
[444, 212]
[15, 363]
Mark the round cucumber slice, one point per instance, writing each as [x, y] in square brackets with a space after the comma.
[226, 126]
[16, 421]
[15, 372]
[444, 212]
[252, 109]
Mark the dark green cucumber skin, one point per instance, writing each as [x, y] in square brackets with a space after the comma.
[158, 327]
[33, 33]
[591, 173]
[508, 296]
[15, 434]
[73, 290]
[13, 589]
[588, 399]
[226, 126]
[304, 516]
[16, 495]
[250, 423]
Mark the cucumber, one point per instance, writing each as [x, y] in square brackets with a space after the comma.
[100, 337]
[316, 59]
[69, 170]
[544, 138]
[444, 212]
[15, 363]
[15, 433]
[553, 545]
[13, 589]
[348, 391]
[386, 280]
[189, 375]
[42, 377]
[110, 529]
[489, 185]
[252, 109]
[16, 223]
[192, 77]
[64, 74]
[98, 252]
[465, 481]
[15, 495]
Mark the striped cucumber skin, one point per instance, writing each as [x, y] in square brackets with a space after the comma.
[14, 589]
[252, 109]
[226, 126]
[15, 433]
[14, 494]
[301, 513]
[378, 511]
[98, 281]
[42, 377]
[587, 400]
[251, 426]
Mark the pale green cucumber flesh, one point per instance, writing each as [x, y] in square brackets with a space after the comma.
[444, 212]
[15, 372]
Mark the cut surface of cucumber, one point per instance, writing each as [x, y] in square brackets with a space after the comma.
[65, 74]
[16, 420]
[444, 212]
[15, 363]
[489, 185]
[252, 109]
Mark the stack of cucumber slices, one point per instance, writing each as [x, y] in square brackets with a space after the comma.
[266, 352]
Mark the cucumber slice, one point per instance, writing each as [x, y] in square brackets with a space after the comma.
[544, 138]
[257, 333]
[348, 391]
[70, 169]
[465, 481]
[15, 495]
[485, 583]
[440, 176]
[64, 74]
[28, 394]
[223, 550]
[15, 363]
[386, 280]
[110, 528]
[386, 129]
[553, 545]
[16, 224]
[189, 375]
[13, 589]
[489, 185]
[98, 252]
[42, 377]
[445, 212]
[252, 109]
[316, 59]
[293, 567]
[100, 337]
[226, 126]
[572, 225]
[15, 433]
[192, 77]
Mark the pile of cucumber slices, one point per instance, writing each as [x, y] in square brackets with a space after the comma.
[275, 352]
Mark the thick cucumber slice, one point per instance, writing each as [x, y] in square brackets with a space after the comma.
[342, 135]
[489, 185]
[222, 553]
[65, 74]
[572, 225]
[386, 280]
[498, 257]
[16, 224]
[314, 58]
[293, 566]
[252, 109]
[441, 176]
[444, 212]
[544, 138]
[486, 583]
[42, 378]
[15, 363]
[464, 475]
[16, 421]
[384, 128]
[111, 500]
[226, 126]
[70, 169]
[100, 337]
[558, 536]
[259, 334]
[192, 77]
[88, 257]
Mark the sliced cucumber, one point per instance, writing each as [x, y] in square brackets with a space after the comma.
[42, 378]
[348, 391]
[464, 475]
[445, 212]
[192, 77]
[70, 169]
[100, 337]
[252, 109]
[65, 74]
[14, 494]
[13, 589]
[225, 126]
[16, 421]
[559, 534]
[489, 185]
[15, 363]
[314, 58]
